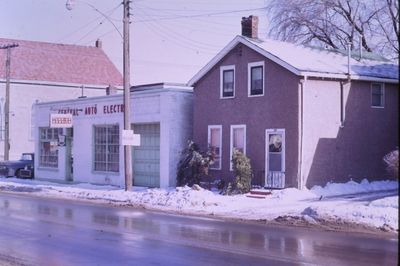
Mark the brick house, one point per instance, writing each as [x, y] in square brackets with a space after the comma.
[303, 115]
[41, 72]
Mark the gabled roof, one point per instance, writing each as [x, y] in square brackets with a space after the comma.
[311, 61]
[59, 63]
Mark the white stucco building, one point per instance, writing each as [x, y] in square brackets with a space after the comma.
[160, 113]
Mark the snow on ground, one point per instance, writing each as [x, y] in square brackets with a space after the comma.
[366, 203]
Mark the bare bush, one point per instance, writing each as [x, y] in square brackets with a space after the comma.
[392, 163]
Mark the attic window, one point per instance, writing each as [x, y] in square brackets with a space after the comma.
[227, 84]
[377, 95]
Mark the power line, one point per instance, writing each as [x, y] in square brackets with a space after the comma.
[200, 15]
[109, 13]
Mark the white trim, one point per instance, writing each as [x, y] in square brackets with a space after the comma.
[382, 85]
[220, 141]
[221, 81]
[231, 143]
[249, 67]
[240, 39]
[274, 131]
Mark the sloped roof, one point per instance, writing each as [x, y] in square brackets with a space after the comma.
[311, 61]
[59, 63]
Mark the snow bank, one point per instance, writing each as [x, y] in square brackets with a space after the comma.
[352, 187]
[379, 208]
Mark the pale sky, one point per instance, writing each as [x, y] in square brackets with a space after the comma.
[170, 39]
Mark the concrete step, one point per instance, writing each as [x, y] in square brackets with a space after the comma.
[255, 196]
[262, 192]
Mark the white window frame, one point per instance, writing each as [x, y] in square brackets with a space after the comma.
[221, 83]
[210, 127]
[383, 94]
[52, 158]
[106, 162]
[249, 66]
[231, 143]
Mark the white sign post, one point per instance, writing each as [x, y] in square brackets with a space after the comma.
[129, 138]
[60, 120]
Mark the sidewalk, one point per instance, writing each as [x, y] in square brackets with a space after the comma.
[367, 204]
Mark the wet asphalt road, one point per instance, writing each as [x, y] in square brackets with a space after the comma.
[36, 231]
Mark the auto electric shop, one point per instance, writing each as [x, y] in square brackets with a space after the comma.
[80, 140]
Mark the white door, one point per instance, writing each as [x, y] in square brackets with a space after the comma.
[275, 158]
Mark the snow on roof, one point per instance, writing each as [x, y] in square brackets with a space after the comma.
[64, 63]
[312, 61]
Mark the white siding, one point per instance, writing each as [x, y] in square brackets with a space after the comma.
[22, 97]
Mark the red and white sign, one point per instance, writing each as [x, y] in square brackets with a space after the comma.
[60, 120]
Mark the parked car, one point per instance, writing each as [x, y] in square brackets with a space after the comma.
[22, 168]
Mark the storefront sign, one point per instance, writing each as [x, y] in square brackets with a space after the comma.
[92, 110]
[129, 138]
[60, 120]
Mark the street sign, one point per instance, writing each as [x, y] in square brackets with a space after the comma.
[129, 138]
[60, 120]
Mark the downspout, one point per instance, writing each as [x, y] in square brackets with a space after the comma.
[300, 181]
[341, 105]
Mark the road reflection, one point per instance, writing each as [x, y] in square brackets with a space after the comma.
[134, 232]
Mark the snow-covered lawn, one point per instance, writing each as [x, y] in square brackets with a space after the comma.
[367, 203]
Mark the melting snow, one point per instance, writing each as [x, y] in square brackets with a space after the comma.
[371, 203]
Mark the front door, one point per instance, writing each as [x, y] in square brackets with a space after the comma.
[275, 158]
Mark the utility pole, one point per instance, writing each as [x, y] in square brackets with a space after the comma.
[126, 68]
[127, 126]
[7, 102]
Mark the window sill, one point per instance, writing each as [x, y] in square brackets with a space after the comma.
[258, 95]
[378, 107]
[223, 98]
[105, 173]
[46, 168]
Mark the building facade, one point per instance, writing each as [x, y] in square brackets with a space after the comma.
[91, 150]
[303, 115]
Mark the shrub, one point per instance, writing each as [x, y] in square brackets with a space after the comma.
[242, 170]
[193, 165]
[392, 163]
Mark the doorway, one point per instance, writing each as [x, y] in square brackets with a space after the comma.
[69, 141]
[275, 158]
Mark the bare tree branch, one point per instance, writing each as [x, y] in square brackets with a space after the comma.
[334, 23]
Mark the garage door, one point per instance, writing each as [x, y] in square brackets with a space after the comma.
[146, 157]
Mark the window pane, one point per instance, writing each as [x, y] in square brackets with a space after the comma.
[48, 149]
[377, 95]
[106, 148]
[228, 83]
[256, 80]
[238, 139]
[275, 143]
[215, 145]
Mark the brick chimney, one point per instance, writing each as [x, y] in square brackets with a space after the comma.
[99, 44]
[250, 27]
